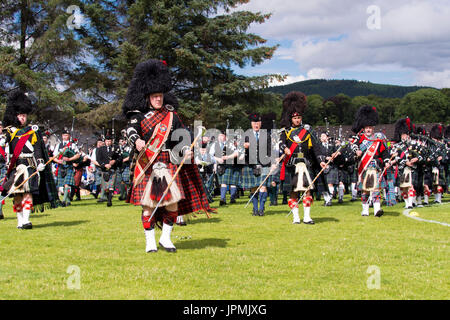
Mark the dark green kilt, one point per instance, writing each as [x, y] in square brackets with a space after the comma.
[126, 175]
[66, 175]
[108, 179]
[3, 170]
[98, 177]
[332, 176]
[414, 178]
[248, 179]
[344, 176]
[231, 176]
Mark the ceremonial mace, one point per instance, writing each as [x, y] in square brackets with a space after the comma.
[202, 130]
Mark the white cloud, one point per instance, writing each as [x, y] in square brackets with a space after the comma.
[333, 36]
[438, 79]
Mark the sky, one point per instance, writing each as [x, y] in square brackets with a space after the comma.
[400, 42]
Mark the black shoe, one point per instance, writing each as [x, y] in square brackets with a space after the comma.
[425, 203]
[255, 213]
[78, 199]
[2, 216]
[168, 249]
[328, 204]
[101, 200]
[379, 213]
[121, 198]
[181, 224]
[309, 222]
[233, 201]
[222, 202]
[284, 202]
[261, 213]
[340, 200]
[27, 226]
[353, 199]
[410, 207]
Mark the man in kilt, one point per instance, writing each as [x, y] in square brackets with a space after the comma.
[228, 170]
[124, 169]
[374, 157]
[256, 169]
[3, 160]
[331, 173]
[108, 158]
[447, 167]
[151, 123]
[406, 159]
[302, 152]
[27, 178]
[65, 172]
[98, 173]
[438, 160]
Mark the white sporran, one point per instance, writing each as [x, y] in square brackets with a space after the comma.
[435, 176]
[406, 178]
[303, 180]
[157, 184]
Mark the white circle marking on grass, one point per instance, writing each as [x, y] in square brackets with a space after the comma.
[406, 214]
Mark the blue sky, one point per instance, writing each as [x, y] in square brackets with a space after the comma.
[401, 42]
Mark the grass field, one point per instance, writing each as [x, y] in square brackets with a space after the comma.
[232, 255]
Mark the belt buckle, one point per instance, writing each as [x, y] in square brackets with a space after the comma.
[300, 155]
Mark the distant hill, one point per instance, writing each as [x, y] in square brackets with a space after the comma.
[352, 88]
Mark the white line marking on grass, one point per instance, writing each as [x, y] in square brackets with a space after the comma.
[406, 214]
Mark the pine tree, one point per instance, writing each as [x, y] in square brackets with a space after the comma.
[37, 51]
[201, 41]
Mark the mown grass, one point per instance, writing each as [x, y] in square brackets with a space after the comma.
[232, 255]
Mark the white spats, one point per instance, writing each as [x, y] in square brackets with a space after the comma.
[19, 219]
[365, 211]
[165, 237]
[306, 214]
[376, 207]
[296, 216]
[150, 242]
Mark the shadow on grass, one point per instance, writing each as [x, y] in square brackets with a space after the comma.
[391, 213]
[61, 224]
[325, 219]
[204, 220]
[202, 243]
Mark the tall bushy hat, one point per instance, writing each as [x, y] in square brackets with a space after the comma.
[365, 116]
[422, 131]
[437, 131]
[151, 76]
[402, 126]
[171, 100]
[267, 120]
[17, 103]
[447, 132]
[294, 104]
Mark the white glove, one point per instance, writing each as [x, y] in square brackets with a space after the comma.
[41, 165]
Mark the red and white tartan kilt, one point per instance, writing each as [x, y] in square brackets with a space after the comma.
[188, 180]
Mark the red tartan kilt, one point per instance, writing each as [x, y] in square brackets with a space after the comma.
[138, 191]
[77, 176]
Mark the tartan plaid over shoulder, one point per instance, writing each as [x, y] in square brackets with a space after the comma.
[188, 179]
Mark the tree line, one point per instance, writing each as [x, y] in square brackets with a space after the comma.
[82, 68]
